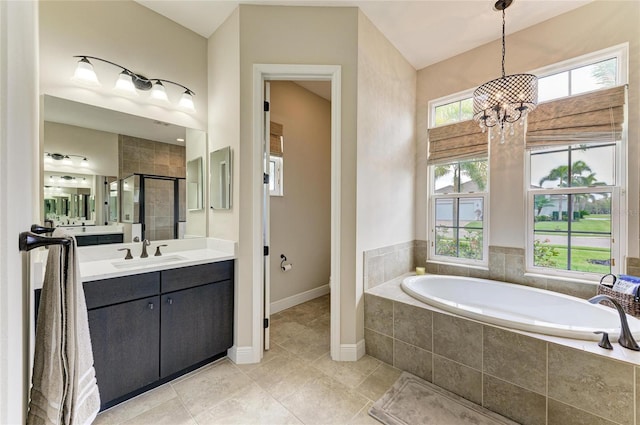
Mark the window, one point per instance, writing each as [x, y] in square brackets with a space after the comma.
[275, 176]
[594, 71]
[459, 199]
[582, 79]
[453, 112]
[572, 193]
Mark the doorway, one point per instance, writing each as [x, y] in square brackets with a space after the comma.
[268, 72]
[298, 200]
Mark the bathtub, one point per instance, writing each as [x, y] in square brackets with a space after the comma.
[518, 307]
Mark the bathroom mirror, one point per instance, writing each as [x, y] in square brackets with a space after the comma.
[194, 184]
[89, 142]
[220, 163]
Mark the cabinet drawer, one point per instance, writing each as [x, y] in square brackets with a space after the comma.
[120, 289]
[188, 277]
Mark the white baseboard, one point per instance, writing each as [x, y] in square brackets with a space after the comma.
[300, 298]
[352, 352]
[242, 355]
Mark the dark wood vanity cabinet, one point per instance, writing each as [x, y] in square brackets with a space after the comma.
[86, 240]
[149, 328]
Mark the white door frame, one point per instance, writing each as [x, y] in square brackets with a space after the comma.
[262, 73]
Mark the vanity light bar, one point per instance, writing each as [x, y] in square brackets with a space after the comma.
[129, 83]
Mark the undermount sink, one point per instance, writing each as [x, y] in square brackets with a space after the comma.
[141, 262]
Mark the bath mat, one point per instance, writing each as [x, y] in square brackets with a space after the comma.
[412, 401]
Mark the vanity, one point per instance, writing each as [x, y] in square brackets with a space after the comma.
[156, 318]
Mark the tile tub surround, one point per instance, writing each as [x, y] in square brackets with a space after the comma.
[530, 378]
[383, 264]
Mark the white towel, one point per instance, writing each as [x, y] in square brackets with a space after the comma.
[64, 388]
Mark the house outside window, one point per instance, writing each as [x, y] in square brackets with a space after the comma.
[458, 205]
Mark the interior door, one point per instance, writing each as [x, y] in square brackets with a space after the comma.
[265, 216]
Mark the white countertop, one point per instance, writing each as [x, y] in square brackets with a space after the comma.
[105, 261]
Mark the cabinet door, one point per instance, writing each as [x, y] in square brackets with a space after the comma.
[197, 324]
[125, 340]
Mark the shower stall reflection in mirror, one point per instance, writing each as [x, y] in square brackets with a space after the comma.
[156, 202]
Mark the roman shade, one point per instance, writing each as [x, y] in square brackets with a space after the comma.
[275, 140]
[463, 140]
[593, 117]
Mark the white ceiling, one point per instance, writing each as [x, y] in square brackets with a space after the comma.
[424, 31]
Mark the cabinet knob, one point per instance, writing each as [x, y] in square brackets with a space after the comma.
[150, 306]
[170, 301]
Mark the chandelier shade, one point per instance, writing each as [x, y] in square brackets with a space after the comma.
[505, 100]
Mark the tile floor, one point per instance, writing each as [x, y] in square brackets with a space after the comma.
[296, 383]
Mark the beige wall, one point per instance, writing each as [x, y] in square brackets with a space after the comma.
[596, 26]
[300, 35]
[386, 169]
[300, 221]
[131, 35]
[224, 117]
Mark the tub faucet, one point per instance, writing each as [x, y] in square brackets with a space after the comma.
[145, 244]
[626, 338]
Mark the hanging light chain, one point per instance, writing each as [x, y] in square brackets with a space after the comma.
[503, 43]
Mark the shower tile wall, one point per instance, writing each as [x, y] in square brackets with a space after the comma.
[143, 156]
[532, 381]
[159, 213]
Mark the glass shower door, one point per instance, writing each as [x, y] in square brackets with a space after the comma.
[159, 208]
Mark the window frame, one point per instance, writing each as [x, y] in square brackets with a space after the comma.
[278, 178]
[619, 222]
[433, 197]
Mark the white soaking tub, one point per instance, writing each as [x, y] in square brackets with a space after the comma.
[518, 307]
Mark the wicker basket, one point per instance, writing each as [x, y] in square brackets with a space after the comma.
[630, 303]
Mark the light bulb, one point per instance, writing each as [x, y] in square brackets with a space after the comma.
[48, 159]
[124, 84]
[158, 92]
[84, 163]
[85, 74]
[186, 101]
[67, 160]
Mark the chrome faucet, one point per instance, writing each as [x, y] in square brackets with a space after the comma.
[626, 338]
[145, 244]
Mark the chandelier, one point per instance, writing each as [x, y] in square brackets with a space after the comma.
[501, 102]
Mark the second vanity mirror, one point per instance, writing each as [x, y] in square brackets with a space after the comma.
[220, 163]
[194, 184]
[83, 144]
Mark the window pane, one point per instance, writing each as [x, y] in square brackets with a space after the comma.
[444, 178]
[551, 253]
[553, 86]
[471, 243]
[272, 175]
[471, 212]
[445, 212]
[446, 242]
[596, 166]
[591, 254]
[543, 208]
[466, 109]
[593, 77]
[473, 176]
[549, 169]
[447, 114]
